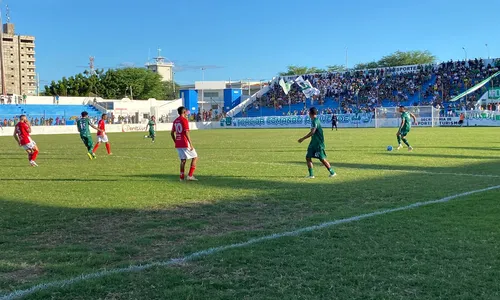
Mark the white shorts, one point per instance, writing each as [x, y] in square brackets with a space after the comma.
[102, 138]
[185, 153]
[29, 145]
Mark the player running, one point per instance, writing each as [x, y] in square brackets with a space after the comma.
[405, 127]
[183, 144]
[316, 147]
[334, 122]
[22, 136]
[83, 124]
[101, 135]
[152, 127]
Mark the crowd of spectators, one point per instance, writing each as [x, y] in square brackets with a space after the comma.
[35, 121]
[363, 91]
[452, 78]
[13, 99]
[42, 121]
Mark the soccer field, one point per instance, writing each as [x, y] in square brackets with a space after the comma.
[74, 216]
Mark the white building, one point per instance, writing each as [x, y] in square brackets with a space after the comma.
[211, 93]
[162, 67]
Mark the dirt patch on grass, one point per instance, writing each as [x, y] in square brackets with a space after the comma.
[21, 276]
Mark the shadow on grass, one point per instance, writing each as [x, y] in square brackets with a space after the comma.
[47, 242]
[59, 179]
[464, 148]
[488, 168]
[415, 153]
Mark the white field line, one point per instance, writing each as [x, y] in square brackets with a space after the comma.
[373, 169]
[200, 254]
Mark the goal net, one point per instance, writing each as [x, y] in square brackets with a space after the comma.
[391, 117]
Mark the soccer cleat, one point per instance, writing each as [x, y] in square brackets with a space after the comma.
[90, 156]
[399, 147]
[310, 177]
[110, 153]
[410, 149]
[333, 175]
[33, 163]
[93, 155]
[191, 178]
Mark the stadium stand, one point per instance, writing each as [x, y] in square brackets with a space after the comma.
[363, 91]
[45, 114]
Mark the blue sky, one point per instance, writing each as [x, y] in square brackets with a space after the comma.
[249, 39]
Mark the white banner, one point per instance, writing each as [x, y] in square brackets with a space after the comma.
[346, 120]
[494, 93]
[37, 130]
[363, 120]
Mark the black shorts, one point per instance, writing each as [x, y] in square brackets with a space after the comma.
[461, 122]
[334, 123]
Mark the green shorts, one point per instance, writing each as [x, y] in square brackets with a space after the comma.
[404, 131]
[151, 133]
[316, 152]
[87, 140]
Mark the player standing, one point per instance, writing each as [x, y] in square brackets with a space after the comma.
[183, 144]
[101, 135]
[152, 127]
[83, 124]
[404, 127]
[334, 122]
[462, 118]
[22, 136]
[316, 147]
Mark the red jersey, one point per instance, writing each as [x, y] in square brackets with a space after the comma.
[181, 127]
[101, 126]
[23, 133]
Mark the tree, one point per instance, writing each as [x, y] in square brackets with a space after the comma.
[171, 90]
[113, 84]
[299, 70]
[400, 58]
[336, 68]
[364, 66]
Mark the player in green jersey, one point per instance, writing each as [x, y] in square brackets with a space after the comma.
[316, 147]
[152, 126]
[83, 124]
[404, 127]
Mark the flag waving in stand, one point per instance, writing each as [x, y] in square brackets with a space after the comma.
[306, 87]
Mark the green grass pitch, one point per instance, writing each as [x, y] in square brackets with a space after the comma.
[72, 216]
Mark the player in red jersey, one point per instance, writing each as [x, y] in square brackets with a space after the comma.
[183, 144]
[101, 135]
[22, 136]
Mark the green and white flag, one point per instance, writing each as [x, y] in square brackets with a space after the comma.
[307, 87]
[286, 86]
[474, 88]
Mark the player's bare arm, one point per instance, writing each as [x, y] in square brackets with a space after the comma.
[414, 118]
[189, 140]
[172, 134]
[16, 138]
[310, 134]
[95, 127]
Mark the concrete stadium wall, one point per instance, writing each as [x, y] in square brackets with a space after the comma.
[39, 130]
[62, 100]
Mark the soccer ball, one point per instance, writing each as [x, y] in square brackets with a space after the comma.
[389, 148]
